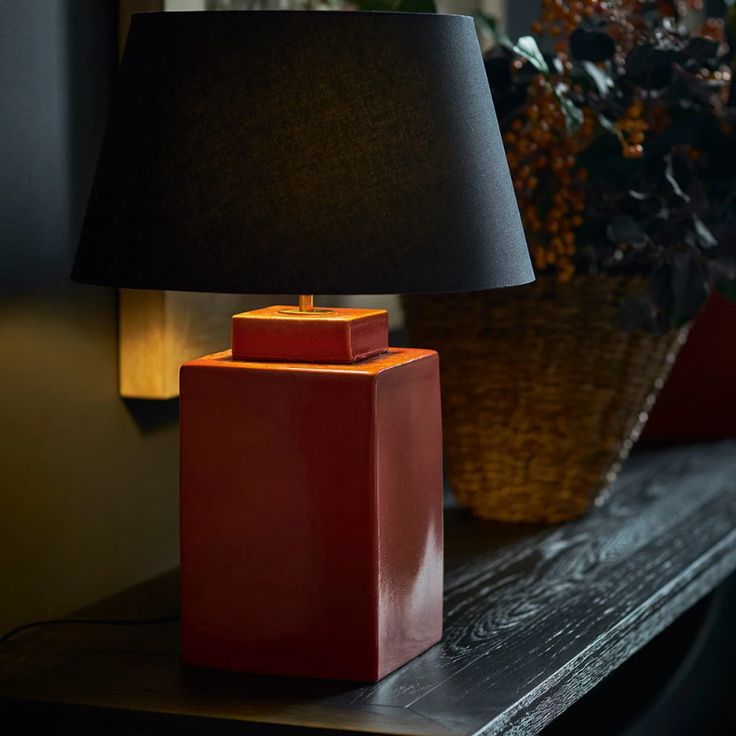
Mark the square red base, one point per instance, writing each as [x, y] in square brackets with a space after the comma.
[311, 514]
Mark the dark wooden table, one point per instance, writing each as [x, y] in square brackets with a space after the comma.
[535, 617]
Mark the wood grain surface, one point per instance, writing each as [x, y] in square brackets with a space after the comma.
[534, 618]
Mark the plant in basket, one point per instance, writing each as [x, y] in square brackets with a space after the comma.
[621, 145]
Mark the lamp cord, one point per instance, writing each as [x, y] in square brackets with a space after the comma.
[95, 621]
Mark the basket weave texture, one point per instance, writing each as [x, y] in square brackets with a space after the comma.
[543, 395]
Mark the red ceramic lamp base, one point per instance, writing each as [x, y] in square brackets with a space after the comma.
[311, 512]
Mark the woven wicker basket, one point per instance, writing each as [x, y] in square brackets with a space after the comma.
[543, 396]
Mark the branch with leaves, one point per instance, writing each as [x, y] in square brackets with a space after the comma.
[622, 146]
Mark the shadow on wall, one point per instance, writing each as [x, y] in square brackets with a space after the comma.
[151, 416]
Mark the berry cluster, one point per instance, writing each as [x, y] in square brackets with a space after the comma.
[596, 42]
[632, 128]
[549, 188]
[542, 151]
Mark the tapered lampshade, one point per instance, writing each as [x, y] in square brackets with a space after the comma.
[298, 152]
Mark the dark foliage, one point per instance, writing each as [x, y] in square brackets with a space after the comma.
[650, 116]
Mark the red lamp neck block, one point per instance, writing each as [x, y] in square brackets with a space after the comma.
[337, 335]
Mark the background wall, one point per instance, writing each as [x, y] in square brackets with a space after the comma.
[88, 483]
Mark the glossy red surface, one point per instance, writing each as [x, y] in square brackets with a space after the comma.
[340, 336]
[311, 514]
[698, 402]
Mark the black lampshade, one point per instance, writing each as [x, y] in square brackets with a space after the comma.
[302, 152]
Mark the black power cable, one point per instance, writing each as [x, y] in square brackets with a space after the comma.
[94, 621]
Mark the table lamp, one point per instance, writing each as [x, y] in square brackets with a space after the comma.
[306, 153]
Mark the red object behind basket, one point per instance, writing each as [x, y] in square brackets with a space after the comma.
[698, 402]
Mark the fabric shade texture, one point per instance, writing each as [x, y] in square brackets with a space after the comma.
[302, 152]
